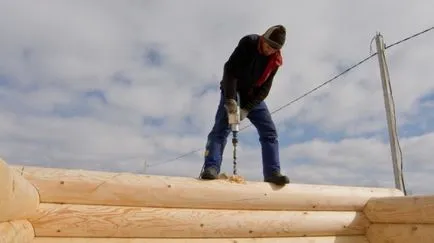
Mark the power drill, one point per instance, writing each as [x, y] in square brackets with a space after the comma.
[234, 122]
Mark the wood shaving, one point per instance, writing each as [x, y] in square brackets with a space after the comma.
[237, 179]
[233, 178]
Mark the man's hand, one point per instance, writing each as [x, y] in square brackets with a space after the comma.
[243, 114]
[231, 106]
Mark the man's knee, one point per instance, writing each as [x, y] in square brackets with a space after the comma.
[268, 134]
[268, 130]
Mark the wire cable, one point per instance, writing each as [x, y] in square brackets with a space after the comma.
[318, 87]
[283, 106]
[410, 37]
[176, 158]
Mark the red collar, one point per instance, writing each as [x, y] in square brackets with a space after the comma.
[274, 62]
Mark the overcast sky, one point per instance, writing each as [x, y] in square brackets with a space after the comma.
[108, 85]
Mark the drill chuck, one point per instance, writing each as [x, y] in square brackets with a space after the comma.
[235, 127]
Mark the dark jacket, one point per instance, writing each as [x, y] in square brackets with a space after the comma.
[249, 73]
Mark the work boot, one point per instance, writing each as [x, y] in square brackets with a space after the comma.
[277, 179]
[209, 173]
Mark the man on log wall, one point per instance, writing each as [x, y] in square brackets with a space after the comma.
[249, 74]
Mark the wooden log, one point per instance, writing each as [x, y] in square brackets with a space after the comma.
[16, 231]
[408, 209]
[401, 233]
[317, 239]
[18, 198]
[125, 189]
[69, 220]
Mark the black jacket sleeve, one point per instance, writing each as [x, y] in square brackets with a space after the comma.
[262, 93]
[238, 56]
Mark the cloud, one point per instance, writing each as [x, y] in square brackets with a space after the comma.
[129, 86]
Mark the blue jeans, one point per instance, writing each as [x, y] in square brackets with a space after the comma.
[260, 117]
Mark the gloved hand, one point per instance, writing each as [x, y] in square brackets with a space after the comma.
[231, 106]
[243, 114]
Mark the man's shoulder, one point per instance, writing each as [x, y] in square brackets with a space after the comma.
[249, 39]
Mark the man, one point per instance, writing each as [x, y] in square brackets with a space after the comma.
[249, 72]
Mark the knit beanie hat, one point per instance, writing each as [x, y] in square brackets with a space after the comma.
[275, 36]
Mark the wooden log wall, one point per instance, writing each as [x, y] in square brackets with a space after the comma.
[119, 206]
[401, 219]
[76, 206]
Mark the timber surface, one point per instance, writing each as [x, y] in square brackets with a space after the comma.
[401, 233]
[126, 189]
[319, 239]
[408, 209]
[16, 231]
[68, 220]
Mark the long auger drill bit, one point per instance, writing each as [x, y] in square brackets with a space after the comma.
[234, 121]
[234, 143]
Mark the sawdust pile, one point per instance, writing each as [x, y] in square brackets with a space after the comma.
[233, 178]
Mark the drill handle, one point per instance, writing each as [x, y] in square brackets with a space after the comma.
[234, 118]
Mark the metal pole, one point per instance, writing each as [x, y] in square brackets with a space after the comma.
[389, 115]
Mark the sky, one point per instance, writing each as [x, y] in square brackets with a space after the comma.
[128, 86]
